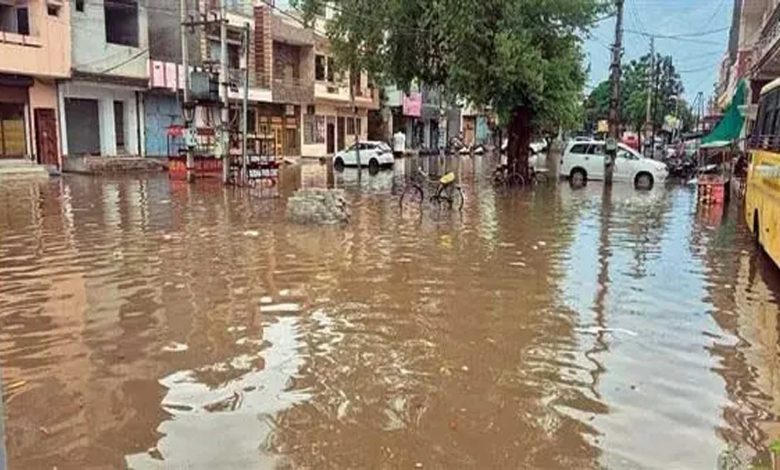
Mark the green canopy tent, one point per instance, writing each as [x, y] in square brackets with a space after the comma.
[729, 127]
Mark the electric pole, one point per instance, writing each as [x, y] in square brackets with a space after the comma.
[224, 79]
[185, 59]
[245, 109]
[614, 105]
[650, 80]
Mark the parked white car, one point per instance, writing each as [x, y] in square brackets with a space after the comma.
[584, 160]
[373, 154]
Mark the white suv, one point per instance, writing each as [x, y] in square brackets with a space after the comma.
[583, 161]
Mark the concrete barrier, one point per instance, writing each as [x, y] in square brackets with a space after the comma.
[105, 165]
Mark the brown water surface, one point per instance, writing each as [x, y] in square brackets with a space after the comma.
[151, 324]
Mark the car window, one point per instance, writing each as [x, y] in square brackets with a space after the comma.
[596, 149]
[623, 153]
[579, 148]
[385, 147]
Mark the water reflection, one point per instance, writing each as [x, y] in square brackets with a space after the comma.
[156, 324]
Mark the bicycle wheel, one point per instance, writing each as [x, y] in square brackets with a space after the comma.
[411, 197]
[498, 177]
[516, 180]
[458, 198]
[540, 178]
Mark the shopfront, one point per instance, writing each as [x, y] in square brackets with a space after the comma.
[281, 124]
[13, 105]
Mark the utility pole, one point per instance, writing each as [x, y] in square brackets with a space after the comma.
[650, 80]
[354, 76]
[614, 105]
[224, 80]
[185, 59]
[245, 109]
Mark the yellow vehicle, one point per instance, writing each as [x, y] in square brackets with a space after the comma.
[762, 196]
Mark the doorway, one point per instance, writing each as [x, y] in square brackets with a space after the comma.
[46, 136]
[341, 132]
[331, 138]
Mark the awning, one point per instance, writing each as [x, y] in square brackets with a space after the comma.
[729, 128]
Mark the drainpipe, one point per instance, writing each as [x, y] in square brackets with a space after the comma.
[138, 123]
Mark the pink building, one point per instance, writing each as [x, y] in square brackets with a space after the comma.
[34, 54]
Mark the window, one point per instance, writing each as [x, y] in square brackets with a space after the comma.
[121, 20]
[596, 149]
[53, 10]
[331, 69]
[119, 125]
[313, 129]
[579, 148]
[14, 19]
[80, 5]
[319, 67]
[623, 153]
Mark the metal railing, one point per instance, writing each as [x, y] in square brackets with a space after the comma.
[764, 142]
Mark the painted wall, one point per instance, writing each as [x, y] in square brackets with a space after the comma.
[46, 51]
[160, 111]
[331, 111]
[93, 54]
[106, 95]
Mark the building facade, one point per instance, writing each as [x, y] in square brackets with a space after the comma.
[34, 54]
[102, 106]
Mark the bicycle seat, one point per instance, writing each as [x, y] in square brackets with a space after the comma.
[449, 178]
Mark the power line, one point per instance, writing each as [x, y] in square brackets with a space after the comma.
[674, 37]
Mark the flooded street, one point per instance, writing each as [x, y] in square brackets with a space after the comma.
[149, 324]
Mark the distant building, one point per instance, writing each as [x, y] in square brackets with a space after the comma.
[34, 54]
[102, 102]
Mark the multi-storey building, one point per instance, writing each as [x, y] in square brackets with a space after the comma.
[34, 53]
[101, 104]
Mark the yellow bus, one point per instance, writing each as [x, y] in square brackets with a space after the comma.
[762, 196]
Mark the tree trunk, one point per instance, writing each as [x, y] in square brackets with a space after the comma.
[520, 133]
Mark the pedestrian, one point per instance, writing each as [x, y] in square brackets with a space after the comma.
[399, 144]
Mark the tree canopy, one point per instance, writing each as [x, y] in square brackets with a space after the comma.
[634, 91]
[523, 59]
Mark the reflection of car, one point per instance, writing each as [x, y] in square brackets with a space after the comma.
[583, 161]
[373, 154]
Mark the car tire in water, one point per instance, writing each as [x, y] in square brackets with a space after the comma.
[338, 164]
[578, 177]
[373, 166]
[644, 181]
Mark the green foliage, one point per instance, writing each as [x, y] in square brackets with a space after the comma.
[499, 53]
[633, 94]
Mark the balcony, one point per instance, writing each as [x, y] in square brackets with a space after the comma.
[34, 40]
[292, 90]
[765, 55]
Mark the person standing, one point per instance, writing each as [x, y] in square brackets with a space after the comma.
[399, 144]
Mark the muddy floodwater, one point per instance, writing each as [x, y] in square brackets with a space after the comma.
[149, 324]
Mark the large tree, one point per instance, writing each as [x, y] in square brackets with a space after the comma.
[522, 58]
